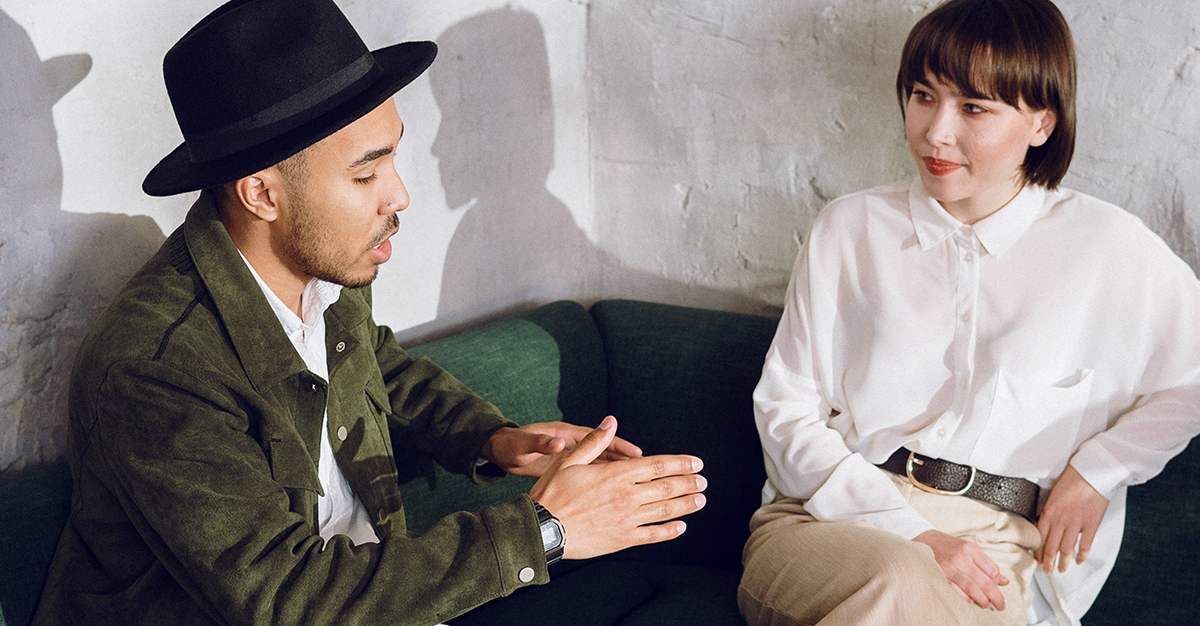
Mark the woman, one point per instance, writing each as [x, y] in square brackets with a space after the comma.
[971, 366]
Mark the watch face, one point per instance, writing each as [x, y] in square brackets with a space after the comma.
[552, 535]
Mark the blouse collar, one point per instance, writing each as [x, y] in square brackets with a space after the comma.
[997, 232]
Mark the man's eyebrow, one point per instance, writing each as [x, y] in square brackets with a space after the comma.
[372, 155]
[377, 153]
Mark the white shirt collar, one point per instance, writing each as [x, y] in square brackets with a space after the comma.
[998, 232]
[318, 296]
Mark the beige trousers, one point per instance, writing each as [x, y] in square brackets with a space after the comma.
[802, 571]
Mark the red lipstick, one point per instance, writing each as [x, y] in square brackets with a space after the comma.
[938, 167]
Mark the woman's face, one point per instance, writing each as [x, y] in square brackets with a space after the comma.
[969, 151]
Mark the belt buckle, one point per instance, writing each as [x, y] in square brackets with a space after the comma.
[908, 469]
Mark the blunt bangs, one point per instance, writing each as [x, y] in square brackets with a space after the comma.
[1019, 52]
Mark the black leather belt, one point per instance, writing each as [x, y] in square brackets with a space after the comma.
[943, 477]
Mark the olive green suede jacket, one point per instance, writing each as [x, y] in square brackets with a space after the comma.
[194, 431]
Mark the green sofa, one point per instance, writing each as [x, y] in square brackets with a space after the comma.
[679, 380]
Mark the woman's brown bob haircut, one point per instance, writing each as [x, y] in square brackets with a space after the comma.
[1016, 51]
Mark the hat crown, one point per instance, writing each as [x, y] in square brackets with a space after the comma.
[255, 69]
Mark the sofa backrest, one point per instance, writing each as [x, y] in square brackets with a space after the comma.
[680, 382]
[543, 365]
[33, 510]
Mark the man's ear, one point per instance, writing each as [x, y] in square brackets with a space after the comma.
[260, 193]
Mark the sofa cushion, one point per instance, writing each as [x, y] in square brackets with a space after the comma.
[35, 507]
[544, 365]
[680, 382]
[611, 592]
[1156, 579]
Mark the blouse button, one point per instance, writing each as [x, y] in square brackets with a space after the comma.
[342, 432]
[341, 347]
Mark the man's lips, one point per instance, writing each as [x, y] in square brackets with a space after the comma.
[938, 167]
[383, 250]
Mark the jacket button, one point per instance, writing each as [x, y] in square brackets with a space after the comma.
[342, 433]
[525, 575]
[341, 347]
[314, 386]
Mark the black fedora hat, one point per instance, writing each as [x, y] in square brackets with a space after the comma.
[257, 81]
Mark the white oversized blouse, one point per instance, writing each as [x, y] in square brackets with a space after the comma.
[1058, 329]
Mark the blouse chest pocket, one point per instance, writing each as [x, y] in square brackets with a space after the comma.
[1035, 421]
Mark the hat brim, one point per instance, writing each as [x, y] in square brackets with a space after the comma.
[177, 173]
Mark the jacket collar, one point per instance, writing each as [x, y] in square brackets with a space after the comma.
[997, 233]
[258, 338]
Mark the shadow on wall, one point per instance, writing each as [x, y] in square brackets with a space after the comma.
[517, 245]
[57, 270]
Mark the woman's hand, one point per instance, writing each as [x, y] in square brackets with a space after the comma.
[1071, 516]
[967, 568]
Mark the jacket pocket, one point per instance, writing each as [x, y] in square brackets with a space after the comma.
[380, 409]
[292, 467]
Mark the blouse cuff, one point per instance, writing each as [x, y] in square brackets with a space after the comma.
[1100, 468]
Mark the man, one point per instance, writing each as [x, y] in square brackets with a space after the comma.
[235, 412]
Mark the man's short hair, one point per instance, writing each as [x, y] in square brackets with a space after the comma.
[1010, 50]
[294, 170]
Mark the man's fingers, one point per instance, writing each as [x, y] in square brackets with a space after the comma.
[550, 445]
[652, 468]
[593, 444]
[669, 498]
[620, 450]
[657, 533]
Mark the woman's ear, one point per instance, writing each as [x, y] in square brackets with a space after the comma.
[1044, 122]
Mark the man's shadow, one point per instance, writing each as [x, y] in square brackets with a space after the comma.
[57, 270]
[517, 245]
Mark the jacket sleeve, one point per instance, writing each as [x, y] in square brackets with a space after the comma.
[214, 508]
[432, 411]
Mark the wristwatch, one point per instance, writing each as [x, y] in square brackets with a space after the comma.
[553, 536]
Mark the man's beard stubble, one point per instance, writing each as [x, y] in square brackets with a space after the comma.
[306, 243]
